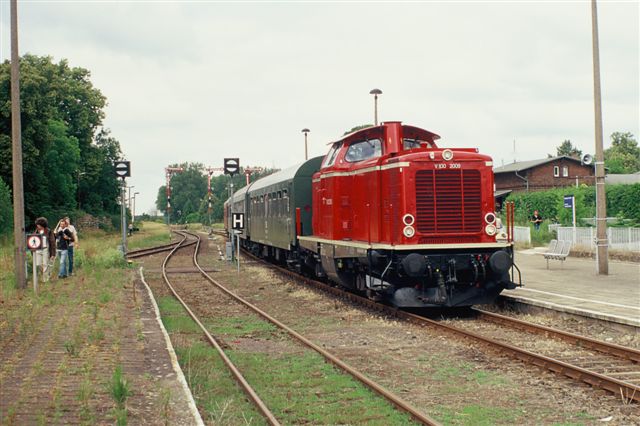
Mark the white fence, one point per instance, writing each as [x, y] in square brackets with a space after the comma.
[522, 234]
[626, 239]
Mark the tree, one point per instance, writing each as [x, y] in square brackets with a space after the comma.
[624, 154]
[189, 193]
[568, 149]
[6, 209]
[188, 189]
[61, 114]
[356, 128]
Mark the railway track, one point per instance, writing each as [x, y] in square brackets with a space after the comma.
[154, 250]
[251, 393]
[600, 364]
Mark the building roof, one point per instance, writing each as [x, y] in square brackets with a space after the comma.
[524, 165]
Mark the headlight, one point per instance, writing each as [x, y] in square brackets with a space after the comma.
[447, 154]
[409, 231]
[490, 229]
[490, 218]
[408, 219]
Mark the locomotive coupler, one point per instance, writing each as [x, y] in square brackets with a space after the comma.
[441, 292]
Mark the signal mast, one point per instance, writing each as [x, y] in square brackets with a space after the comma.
[210, 172]
[249, 170]
[169, 172]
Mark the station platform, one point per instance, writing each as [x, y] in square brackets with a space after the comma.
[574, 287]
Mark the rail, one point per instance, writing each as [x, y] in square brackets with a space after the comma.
[253, 396]
[389, 396]
[611, 384]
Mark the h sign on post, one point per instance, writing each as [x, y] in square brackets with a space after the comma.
[237, 221]
[570, 203]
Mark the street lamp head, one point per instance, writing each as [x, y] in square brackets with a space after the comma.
[305, 130]
[375, 92]
[135, 194]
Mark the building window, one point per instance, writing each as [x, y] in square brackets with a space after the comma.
[565, 171]
[556, 171]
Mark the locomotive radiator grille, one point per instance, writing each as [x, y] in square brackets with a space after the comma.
[448, 201]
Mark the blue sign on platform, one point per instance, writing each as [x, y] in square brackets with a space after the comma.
[568, 201]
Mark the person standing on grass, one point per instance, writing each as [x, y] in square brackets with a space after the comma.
[63, 237]
[72, 244]
[47, 254]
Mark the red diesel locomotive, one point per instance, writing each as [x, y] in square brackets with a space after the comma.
[393, 216]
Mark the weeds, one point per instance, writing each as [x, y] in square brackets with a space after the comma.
[165, 404]
[71, 348]
[119, 388]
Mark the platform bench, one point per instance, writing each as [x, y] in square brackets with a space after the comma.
[558, 250]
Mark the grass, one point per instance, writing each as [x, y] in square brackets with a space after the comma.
[242, 326]
[303, 388]
[150, 234]
[85, 316]
[298, 386]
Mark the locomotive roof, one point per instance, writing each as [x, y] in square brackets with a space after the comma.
[411, 132]
[286, 174]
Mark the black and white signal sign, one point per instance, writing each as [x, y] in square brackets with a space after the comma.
[123, 169]
[231, 166]
[237, 221]
[34, 241]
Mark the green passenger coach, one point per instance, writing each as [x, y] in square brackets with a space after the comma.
[277, 209]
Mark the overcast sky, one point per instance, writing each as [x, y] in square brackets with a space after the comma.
[200, 81]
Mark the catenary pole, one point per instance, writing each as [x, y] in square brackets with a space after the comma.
[602, 245]
[16, 152]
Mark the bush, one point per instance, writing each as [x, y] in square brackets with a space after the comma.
[621, 202]
[6, 209]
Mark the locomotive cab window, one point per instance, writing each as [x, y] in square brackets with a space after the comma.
[363, 150]
[331, 156]
[408, 144]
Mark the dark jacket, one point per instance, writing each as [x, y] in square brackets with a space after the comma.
[51, 241]
[64, 237]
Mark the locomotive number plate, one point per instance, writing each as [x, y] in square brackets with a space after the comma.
[447, 165]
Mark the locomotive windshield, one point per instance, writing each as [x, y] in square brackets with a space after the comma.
[408, 144]
[331, 156]
[364, 150]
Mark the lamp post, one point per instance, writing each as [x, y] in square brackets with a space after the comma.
[375, 93]
[602, 245]
[78, 187]
[133, 210]
[305, 131]
[129, 196]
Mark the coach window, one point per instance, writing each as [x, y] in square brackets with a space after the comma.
[556, 171]
[363, 150]
[331, 156]
[565, 171]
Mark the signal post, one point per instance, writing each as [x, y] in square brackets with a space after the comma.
[231, 167]
[123, 171]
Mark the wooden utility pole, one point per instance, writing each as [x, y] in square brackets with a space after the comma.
[602, 245]
[16, 139]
